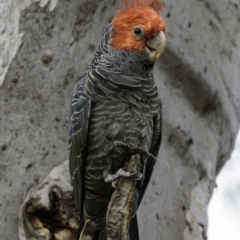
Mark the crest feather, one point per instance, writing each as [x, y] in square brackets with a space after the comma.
[155, 4]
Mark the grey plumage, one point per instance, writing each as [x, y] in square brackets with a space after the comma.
[116, 100]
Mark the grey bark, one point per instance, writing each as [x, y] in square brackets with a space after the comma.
[47, 45]
[48, 211]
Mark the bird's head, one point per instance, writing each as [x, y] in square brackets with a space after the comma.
[139, 27]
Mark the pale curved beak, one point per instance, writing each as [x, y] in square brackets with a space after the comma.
[155, 46]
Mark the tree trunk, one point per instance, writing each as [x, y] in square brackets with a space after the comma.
[45, 48]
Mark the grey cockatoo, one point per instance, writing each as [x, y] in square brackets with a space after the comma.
[117, 101]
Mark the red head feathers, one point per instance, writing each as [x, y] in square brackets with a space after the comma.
[143, 15]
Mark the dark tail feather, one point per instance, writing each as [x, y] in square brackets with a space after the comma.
[78, 234]
[133, 230]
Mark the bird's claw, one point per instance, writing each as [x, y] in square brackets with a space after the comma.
[113, 178]
[132, 150]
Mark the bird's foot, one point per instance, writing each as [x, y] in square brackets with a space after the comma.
[133, 150]
[113, 178]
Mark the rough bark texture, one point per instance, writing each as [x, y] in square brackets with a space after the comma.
[119, 208]
[48, 211]
[47, 45]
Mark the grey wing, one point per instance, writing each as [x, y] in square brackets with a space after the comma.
[80, 108]
[154, 149]
[157, 132]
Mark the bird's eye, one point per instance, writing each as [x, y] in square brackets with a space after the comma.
[137, 31]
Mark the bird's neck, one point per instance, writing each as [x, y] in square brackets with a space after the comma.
[113, 72]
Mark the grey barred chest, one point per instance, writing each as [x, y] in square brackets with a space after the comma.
[118, 121]
[109, 122]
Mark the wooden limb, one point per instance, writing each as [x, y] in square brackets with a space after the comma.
[88, 230]
[119, 212]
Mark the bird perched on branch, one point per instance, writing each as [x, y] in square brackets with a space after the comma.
[116, 102]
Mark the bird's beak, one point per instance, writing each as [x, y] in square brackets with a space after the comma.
[155, 46]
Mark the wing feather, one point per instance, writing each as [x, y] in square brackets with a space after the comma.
[80, 108]
[156, 142]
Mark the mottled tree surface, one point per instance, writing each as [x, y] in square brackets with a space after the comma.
[49, 211]
[47, 45]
